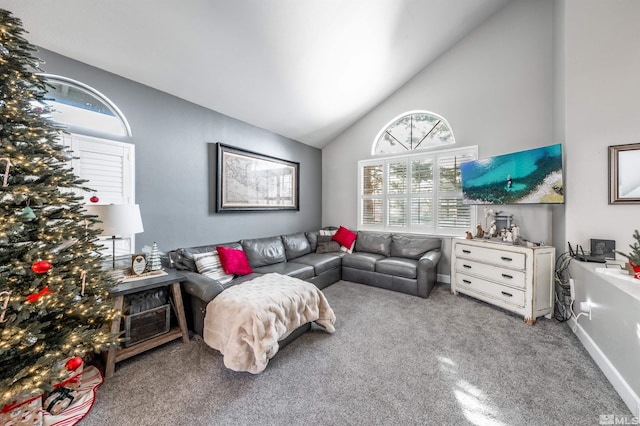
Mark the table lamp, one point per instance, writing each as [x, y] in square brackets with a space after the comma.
[117, 219]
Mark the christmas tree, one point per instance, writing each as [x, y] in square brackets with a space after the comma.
[53, 292]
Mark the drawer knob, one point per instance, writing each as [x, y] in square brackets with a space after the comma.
[466, 266]
[507, 294]
[506, 259]
[466, 251]
[466, 281]
[507, 276]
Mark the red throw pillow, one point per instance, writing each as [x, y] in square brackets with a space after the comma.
[234, 261]
[345, 237]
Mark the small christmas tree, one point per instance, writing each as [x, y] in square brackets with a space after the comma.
[53, 292]
[154, 259]
[634, 254]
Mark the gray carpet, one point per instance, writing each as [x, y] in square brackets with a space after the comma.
[394, 360]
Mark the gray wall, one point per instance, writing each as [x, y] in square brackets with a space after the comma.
[175, 181]
[495, 87]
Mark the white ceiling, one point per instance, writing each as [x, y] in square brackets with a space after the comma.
[305, 69]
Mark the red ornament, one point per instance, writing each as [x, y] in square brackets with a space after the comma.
[94, 199]
[74, 363]
[35, 296]
[41, 266]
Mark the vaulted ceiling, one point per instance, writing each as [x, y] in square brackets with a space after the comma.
[305, 69]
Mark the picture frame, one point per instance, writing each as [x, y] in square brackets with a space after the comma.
[250, 181]
[603, 248]
[138, 263]
[624, 174]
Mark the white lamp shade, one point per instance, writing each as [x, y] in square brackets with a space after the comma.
[117, 219]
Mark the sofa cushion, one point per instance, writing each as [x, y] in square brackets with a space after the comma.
[320, 262]
[264, 251]
[295, 245]
[292, 269]
[209, 265]
[374, 242]
[412, 246]
[184, 256]
[398, 266]
[234, 261]
[313, 239]
[364, 261]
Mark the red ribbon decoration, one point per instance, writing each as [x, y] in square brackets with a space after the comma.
[35, 296]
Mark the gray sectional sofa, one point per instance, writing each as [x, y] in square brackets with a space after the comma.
[402, 262]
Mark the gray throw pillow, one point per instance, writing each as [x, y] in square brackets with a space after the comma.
[328, 247]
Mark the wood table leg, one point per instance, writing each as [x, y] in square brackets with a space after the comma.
[179, 307]
[110, 368]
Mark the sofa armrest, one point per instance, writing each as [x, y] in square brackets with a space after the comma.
[201, 287]
[428, 272]
[430, 259]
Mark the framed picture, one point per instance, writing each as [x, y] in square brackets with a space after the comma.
[248, 181]
[138, 263]
[603, 248]
[624, 174]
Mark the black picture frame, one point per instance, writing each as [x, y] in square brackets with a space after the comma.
[250, 181]
[603, 248]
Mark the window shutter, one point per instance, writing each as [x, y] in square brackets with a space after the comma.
[108, 167]
[372, 180]
[452, 212]
[419, 193]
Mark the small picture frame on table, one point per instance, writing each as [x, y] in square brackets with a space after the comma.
[138, 263]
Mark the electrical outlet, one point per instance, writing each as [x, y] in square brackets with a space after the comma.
[572, 289]
[586, 308]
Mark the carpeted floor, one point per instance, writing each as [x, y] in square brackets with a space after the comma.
[394, 360]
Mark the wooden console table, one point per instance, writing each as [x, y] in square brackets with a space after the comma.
[171, 280]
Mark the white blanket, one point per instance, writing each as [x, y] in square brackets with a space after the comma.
[246, 321]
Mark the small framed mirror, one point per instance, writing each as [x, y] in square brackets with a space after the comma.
[624, 174]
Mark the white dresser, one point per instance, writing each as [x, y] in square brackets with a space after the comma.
[516, 278]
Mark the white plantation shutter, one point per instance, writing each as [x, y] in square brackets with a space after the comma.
[109, 168]
[370, 194]
[452, 213]
[420, 193]
[107, 165]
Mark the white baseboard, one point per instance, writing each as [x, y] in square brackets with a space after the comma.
[619, 383]
[444, 279]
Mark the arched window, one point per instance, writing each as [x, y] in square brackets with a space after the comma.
[96, 130]
[421, 190]
[412, 131]
[82, 108]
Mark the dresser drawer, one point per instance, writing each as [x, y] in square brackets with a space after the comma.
[505, 258]
[495, 291]
[511, 277]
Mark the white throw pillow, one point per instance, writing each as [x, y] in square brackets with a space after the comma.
[209, 265]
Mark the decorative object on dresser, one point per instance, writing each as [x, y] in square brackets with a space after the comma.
[516, 278]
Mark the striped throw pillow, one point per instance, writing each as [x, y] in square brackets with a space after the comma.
[209, 265]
